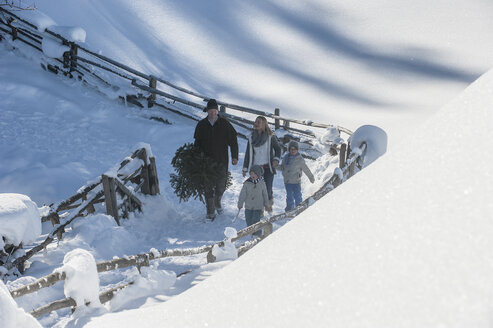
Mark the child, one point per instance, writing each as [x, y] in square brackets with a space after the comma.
[254, 195]
[292, 166]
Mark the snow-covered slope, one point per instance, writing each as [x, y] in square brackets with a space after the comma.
[405, 243]
[393, 244]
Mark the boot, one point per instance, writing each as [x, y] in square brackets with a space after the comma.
[209, 204]
[217, 204]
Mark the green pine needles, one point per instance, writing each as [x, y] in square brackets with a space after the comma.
[195, 172]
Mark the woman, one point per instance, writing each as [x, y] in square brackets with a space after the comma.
[263, 149]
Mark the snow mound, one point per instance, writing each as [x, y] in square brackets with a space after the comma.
[82, 280]
[71, 33]
[11, 316]
[331, 136]
[19, 219]
[152, 280]
[53, 48]
[228, 251]
[375, 139]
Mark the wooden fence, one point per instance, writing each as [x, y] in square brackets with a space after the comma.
[114, 191]
[94, 69]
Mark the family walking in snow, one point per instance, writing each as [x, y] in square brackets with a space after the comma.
[214, 135]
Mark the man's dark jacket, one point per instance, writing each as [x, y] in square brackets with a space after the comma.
[214, 140]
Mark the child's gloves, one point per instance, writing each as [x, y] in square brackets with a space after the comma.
[268, 209]
[312, 180]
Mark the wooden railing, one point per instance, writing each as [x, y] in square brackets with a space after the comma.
[114, 191]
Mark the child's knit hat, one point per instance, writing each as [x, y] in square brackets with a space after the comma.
[293, 144]
[259, 170]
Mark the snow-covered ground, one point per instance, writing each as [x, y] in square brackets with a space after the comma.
[404, 243]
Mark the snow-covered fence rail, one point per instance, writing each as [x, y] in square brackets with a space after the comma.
[93, 69]
[117, 190]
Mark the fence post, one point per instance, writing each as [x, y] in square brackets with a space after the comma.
[54, 218]
[66, 59]
[153, 179]
[210, 257]
[149, 174]
[14, 33]
[342, 155]
[277, 123]
[73, 56]
[268, 229]
[146, 188]
[109, 188]
[152, 96]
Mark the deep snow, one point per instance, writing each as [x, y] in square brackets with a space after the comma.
[406, 239]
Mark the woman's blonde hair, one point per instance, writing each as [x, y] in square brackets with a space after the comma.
[266, 125]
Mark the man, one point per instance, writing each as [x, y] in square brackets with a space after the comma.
[213, 135]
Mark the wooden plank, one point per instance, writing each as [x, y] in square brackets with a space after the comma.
[141, 258]
[153, 177]
[342, 155]
[268, 229]
[109, 188]
[64, 205]
[104, 297]
[167, 95]
[277, 122]
[146, 188]
[57, 305]
[121, 187]
[152, 97]
[42, 282]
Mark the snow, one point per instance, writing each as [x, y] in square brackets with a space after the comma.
[41, 20]
[331, 136]
[53, 48]
[71, 33]
[148, 282]
[11, 316]
[375, 139]
[406, 242]
[82, 280]
[19, 220]
[228, 250]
